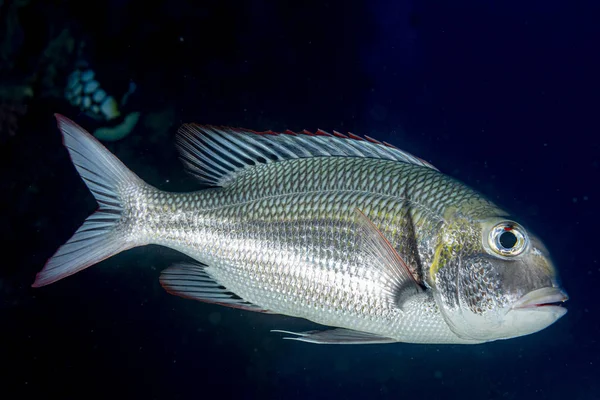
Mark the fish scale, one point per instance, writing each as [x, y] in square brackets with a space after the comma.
[345, 232]
[314, 195]
[243, 236]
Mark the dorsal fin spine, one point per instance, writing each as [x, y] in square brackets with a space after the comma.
[216, 154]
[340, 135]
[240, 144]
[370, 139]
[187, 148]
[207, 148]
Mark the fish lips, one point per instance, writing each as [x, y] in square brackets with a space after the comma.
[545, 299]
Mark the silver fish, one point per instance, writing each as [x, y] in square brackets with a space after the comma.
[341, 230]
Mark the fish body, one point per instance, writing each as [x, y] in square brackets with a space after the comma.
[291, 246]
[349, 233]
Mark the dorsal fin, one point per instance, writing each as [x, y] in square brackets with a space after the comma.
[215, 154]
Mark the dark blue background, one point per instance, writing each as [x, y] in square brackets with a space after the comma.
[501, 95]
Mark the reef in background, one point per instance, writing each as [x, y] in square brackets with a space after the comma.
[28, 68]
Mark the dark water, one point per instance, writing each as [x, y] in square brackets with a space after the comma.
[501, 95]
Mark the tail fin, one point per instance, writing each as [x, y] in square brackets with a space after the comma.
[102, 235]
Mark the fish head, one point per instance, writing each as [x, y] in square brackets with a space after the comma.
[495, 280]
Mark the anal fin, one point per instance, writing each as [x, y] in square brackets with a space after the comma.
[192, 281]
[337, 336]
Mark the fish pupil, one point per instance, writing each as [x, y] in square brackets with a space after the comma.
[508, 240]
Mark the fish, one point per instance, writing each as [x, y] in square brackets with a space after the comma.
[343, 230]
[84, 91]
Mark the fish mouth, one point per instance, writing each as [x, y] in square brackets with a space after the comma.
[542, 299]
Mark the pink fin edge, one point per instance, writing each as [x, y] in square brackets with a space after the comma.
[318, 132]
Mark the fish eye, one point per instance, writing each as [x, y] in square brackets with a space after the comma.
[508, 239]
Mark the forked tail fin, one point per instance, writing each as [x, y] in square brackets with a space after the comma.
[104, 233]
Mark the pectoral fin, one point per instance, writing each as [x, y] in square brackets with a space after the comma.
[336, 336]
[379, 253]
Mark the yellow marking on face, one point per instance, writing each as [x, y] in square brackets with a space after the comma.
[435, 265]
